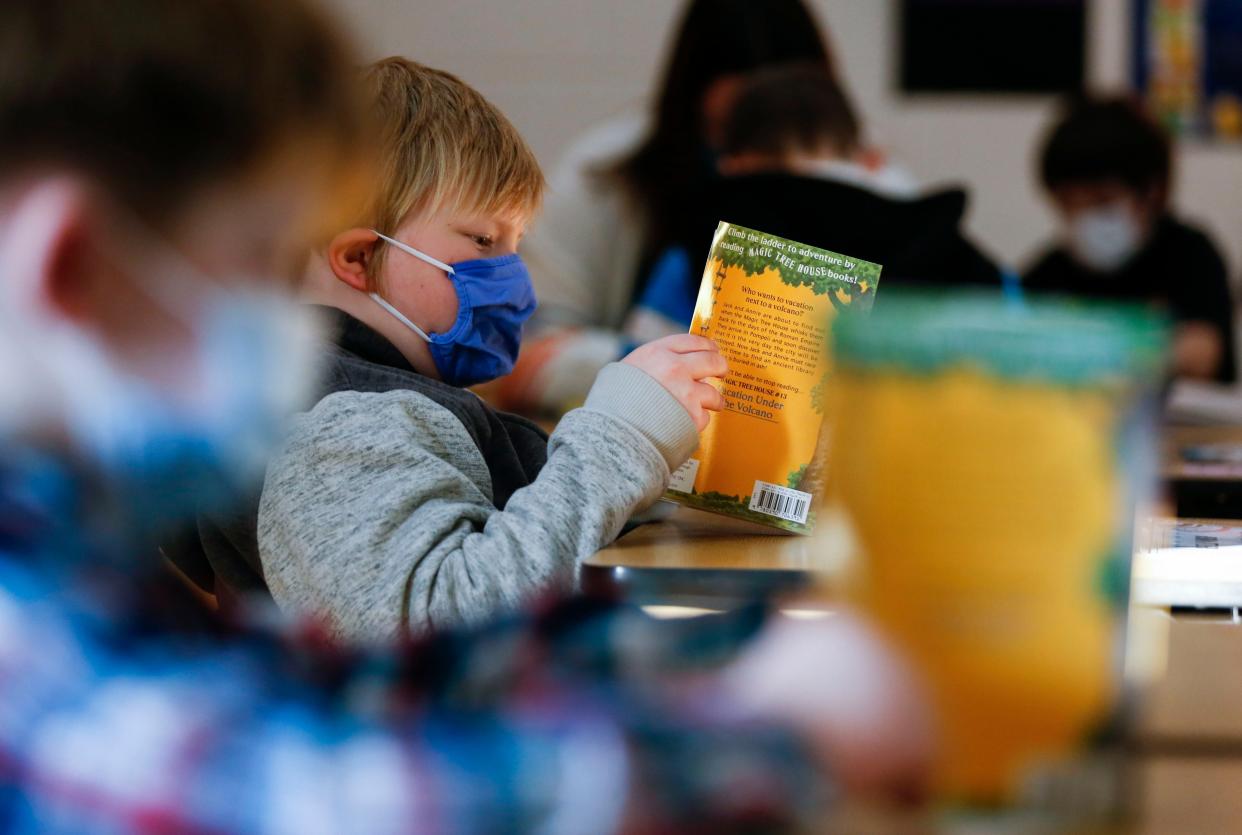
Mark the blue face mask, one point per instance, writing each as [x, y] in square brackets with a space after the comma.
[494, 300]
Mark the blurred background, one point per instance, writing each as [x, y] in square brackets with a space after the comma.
[558, 68]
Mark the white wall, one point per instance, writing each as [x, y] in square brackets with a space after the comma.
[558, 66]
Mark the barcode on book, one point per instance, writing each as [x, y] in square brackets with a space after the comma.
[781, 502]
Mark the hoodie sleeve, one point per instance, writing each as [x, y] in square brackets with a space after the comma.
[378, 515]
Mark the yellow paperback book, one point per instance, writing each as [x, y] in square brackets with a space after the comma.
[769, 303]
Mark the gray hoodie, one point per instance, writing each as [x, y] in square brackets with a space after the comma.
[400, 503]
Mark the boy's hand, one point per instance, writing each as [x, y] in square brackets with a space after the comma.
[680, 363]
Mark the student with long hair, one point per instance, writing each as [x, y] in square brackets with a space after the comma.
[789, 165]
[624, 190]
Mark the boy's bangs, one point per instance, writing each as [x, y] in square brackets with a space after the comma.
[509, 188]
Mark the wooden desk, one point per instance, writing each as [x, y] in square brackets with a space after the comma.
[716, 561]
[1173, 438]
[1188, 764]
[1197, 489]
[694, 558]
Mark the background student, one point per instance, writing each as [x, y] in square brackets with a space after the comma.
[792, 164]
[1107, 169]
[620, 196]
[145, 364]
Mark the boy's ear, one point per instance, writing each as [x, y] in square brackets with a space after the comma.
[349, 257]
[47, 241]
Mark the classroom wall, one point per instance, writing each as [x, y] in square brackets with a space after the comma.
[559, 66]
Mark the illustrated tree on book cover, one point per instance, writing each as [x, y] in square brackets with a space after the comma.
[769, 302]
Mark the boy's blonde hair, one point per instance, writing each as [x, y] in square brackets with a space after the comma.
[443, 147]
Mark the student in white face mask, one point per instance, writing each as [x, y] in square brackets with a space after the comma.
[1107, 170]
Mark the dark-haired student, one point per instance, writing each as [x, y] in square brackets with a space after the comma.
[793, 165]
[620, 195]
[1107, 168]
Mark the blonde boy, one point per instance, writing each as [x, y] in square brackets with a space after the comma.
[402, 501]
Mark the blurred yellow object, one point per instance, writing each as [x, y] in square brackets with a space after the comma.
[977, 459]
[1015, 640]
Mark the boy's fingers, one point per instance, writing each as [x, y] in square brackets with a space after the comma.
[710, 397]
[700, 364]
[685, 343]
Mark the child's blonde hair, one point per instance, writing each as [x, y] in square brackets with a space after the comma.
[443, 147]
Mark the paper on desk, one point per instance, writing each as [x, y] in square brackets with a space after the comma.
[1184, 533]
[1208, 577]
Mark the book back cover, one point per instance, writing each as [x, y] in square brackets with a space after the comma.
[768, 302]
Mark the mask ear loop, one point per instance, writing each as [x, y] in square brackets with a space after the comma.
[378, 299]
[422, 256]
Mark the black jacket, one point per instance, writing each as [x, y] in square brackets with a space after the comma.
[917, 241]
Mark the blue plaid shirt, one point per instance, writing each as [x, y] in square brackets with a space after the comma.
[126, 707]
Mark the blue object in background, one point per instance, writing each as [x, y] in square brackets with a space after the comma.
[1011, 286]
[673, 287]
